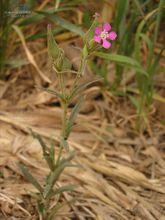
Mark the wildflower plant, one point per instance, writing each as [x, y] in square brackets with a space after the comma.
[47, 192]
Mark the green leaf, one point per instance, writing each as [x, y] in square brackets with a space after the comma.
[63, 23]
[161, 6]
[66, 64]
[139, 7]
[30, 178]
[76, 110]
[139, 32]
[121, 13]
[41, 208]
[81, 87]
[34, 18]
[38, 137]
[152, 68]
[117, 58]
[134, 101]
[62, 189]
[52, 91]
[147, 40]
[69, 158]
[45, 149]
[43, 34]
[66, 24]
[73, 116]
[15, 63]
[85, 51]
[52, 152]
[54, 175]
[123, 60]
[61, 63]
[53, 49]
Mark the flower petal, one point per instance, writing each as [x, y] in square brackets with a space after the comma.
[112, 35]
[98, 30]
[106, 44]
[97, 39]
[107, 27]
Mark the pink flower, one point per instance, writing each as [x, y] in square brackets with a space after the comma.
[103, 34]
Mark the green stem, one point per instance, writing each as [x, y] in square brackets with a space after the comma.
[61, 83]
[64, 119]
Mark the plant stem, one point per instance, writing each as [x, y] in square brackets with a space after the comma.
[64, 119]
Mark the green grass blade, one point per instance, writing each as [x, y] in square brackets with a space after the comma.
[15, 63]
[158, 19]
[139, 32]
[139, 7]
[31, 20]
[122, 7]
[43, 34]
[63, 23]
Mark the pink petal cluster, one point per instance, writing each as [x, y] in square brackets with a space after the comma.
[103, 34]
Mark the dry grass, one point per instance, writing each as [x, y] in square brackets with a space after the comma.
[121, 174]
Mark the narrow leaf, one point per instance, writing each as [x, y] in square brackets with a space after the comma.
[81, 87]
[15, 63]
[121, 13]
[52, 152]
[56, 53]
[117, 58]
[53, 49]
[63, 23]
[52, 91]
[54, 176]
[123, 60]
[38, 137]
[30, 178]
[139, 7]
[73, 116]
[62, 189]
[134, 101]
[45, 149]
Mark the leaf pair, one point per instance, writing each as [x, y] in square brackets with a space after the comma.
[54, 175]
